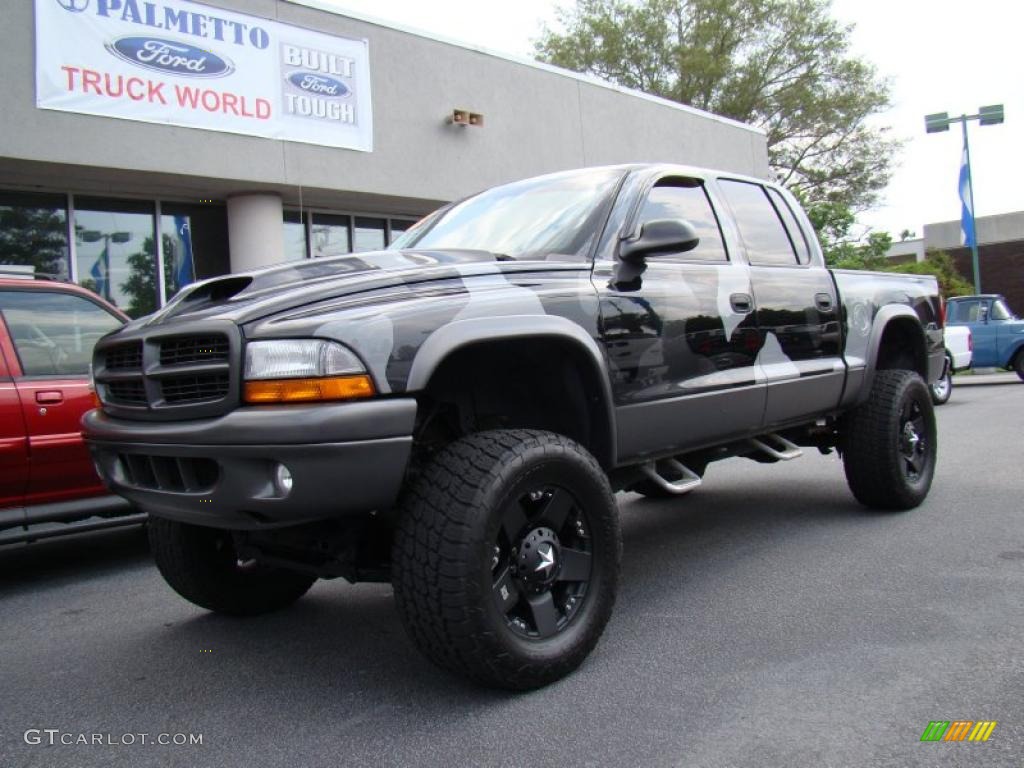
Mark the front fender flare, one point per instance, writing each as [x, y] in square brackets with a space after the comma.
[462, 333]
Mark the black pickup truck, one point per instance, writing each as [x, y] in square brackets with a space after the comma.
[455, 414]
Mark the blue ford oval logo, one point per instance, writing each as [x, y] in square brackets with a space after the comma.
[320, 85]
[170, 57]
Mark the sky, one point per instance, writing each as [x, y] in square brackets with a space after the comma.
[938, 55]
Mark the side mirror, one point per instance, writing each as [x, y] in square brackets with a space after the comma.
[659, 237]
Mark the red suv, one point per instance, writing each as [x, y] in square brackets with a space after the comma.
[47, 332]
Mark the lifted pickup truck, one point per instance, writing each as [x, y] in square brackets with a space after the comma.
[455, 414]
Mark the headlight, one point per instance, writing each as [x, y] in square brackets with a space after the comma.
[303, 370]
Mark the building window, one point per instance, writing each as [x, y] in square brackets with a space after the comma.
[115, 247]
[295, 236]
[34, 232]
[331, 235]
[369, 234]
[195, 244]
[399, 227]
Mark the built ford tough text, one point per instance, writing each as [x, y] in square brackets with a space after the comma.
[455, 414]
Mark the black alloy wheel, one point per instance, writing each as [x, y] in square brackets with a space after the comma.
[542, 561]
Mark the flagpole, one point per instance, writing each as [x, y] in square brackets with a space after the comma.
[937, 122]
[974, 223]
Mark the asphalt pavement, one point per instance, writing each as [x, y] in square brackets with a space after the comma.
[763, 620]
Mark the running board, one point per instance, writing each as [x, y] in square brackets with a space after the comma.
[686, 483]
[783, 449]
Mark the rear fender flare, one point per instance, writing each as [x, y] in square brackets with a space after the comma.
[883, 319]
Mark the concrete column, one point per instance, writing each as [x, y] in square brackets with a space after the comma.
[255, 231]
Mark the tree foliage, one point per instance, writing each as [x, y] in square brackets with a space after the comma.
[941, 265]
[782, 65]
[141, 285]
[36, 237]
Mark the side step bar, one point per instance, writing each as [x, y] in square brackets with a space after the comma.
[687, 482]
[777, 447]
[27, 534]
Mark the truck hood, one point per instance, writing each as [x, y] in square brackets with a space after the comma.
[246, 297]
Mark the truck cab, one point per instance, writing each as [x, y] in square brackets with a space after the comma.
[998, 333]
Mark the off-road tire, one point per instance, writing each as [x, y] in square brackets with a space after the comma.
[442, 566]
[201, 565]
[875, 443]
[942, 389]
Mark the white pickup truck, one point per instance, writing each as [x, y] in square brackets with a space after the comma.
[959, 349]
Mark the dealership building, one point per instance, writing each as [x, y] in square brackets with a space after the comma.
[148, 143]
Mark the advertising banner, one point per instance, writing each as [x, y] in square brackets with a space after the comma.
[182, 63]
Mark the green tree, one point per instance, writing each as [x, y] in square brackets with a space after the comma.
[36, 237]
[141, 286]
[941, 265]
[833, 223]
[783, 65]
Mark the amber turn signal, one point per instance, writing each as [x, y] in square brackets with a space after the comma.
[308, 390]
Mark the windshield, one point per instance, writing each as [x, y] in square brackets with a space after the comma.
[1001, 312]
[547, 217]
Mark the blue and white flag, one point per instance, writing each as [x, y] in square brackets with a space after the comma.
[967, 234]
[100, 272]
[184, 267]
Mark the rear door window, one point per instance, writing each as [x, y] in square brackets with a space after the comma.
[796, 234]
[54, 333]
[764, 235]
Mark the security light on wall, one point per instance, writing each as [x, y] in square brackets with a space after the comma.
[466, 118]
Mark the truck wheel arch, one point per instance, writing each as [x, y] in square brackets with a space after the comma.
[462, 335]
[897, 341]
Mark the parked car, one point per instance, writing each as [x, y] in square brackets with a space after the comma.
[997, 332]
[958, 358]
[47, 333]
[455, 414]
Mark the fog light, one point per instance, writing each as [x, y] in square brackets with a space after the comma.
[283, 479]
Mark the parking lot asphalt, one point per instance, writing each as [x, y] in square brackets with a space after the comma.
[764, 620]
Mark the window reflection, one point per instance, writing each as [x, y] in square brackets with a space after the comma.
[195, 243]
[681, 199]
[54, 333]
[368, 235]
[33, 232]
[759, 224]
[555, 214]
[399, 227]
[331, 235]
[115, 249]
[294, 236]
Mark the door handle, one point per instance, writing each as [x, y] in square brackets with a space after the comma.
[742, 303]
[49, 397]
[823, 302]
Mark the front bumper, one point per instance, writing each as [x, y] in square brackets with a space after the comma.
[344, 459]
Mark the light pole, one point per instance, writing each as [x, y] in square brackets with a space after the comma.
[94, 236]
[940, 121]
